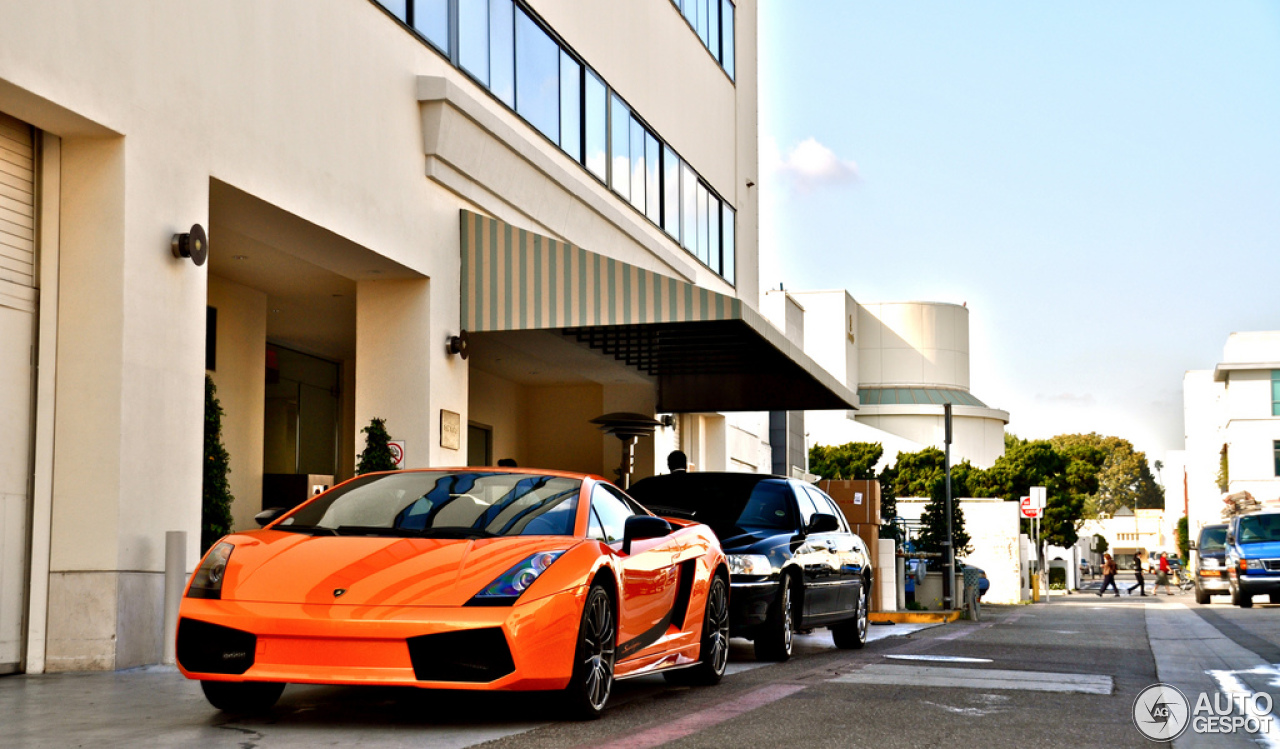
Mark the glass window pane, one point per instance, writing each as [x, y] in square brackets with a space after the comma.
[726, 37]
[571, 106]
[654, 200]
[502, 57]
[637, 165]
[670, 191]
[431, 19]
[395, 7]
[730, 246]
[704, 22]
[537, 77]
[701, 209]
[597, 131]
[620, 147]
[689, 208]
[691, 11]
[473, 38]
[713, 232]
[713, 28]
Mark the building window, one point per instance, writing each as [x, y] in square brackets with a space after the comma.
[1275, 452]
[1275, 392]
[504, 47]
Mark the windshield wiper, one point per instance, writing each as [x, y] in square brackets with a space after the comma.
[455, 532]
[312, 530]
[677, 511]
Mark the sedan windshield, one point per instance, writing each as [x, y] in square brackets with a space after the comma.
[1259, 528]
[443, 504]
[1213, 539]
[730, 504]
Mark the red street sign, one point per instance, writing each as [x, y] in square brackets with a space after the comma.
[1029, 511]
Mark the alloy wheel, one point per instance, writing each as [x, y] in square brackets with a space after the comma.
[597, 640]
[718, 627]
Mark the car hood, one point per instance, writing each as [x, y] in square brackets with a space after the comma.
[1261, 550]
[282, 567]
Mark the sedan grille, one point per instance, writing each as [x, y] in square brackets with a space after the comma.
[470, 655]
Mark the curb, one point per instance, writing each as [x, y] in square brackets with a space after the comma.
[914, 617]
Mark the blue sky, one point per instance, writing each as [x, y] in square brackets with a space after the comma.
[1098, 181]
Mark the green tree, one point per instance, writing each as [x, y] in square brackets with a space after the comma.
[913, 474]
[1123, 479]
[215, 506]
[377, 454]
[933, 520]
[1100, 544]
[1224, 472]
[853, 460]
[1184, 540]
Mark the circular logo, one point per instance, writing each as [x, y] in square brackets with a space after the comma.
[1161, 712]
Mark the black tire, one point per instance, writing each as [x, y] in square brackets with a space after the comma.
[593, 661]
[713, 656]
[1239, 598]
[774, 640]
[242, 696]
[1202, 596]
[1274, 597]
[852, 634]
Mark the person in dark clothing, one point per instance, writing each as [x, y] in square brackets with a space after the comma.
[1137, 572]
[507, 463]
[1108, 575]
[677, 462]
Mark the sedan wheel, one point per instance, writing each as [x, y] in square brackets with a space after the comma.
[592, 680]
[774, 641]
[242, 697]
[852, 635]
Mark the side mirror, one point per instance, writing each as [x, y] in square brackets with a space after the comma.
[1193, 546]
[821, 522]
[1231, 537]
[639, 527]
[269, 515]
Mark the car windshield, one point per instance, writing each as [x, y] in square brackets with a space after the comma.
[730, 504]
[1213, 539]
[1259, 528]
[443, 504]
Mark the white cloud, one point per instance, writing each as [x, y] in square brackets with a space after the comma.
[808, 165]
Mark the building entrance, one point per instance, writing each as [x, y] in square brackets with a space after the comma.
[301, 426]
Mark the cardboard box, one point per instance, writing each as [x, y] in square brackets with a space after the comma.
[858, 500]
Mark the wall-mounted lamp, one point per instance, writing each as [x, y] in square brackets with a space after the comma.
[458, 344]
[668, 420]
[193, 244]
[750, 183]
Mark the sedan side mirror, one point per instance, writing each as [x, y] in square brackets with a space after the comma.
[639, 527]
[269, 515]
[821, 522]
[1193, 546]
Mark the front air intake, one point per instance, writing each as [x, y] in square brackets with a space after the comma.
[213, 649]
[470, 655]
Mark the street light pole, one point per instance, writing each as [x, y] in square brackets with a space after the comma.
[949, 573]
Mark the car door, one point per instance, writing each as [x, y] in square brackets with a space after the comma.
[813, 553]
[847, 547]
[649, 573]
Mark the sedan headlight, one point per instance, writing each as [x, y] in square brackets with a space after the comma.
[207, 582]
[508, 586]
[749, 564]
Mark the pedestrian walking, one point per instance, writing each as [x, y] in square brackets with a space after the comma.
[1109, 570]
[1162, 575]
[1137, 572]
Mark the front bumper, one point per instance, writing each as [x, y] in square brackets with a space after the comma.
[1213, 581]
[441, 647]
[749, 604]
[1255, 584]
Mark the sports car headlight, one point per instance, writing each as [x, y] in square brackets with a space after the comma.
[749, 564]
[511, 584]
[207, 582]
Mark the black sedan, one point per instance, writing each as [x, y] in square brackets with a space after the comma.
[794, 562]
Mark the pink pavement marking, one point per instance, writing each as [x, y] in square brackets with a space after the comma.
[703, 719]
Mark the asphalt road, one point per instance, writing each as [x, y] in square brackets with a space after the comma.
[1062, 674]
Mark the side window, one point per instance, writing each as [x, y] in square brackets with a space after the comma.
[612, 511]
[807, 508]
[594, 529]
[823, 501]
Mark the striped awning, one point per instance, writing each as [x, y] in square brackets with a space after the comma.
[708, 351]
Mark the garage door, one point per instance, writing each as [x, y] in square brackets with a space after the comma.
[17, 336]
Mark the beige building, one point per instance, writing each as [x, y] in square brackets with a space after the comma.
[569, 183]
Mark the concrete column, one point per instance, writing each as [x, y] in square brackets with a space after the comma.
[394, 350]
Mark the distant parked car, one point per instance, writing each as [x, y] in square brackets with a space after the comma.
[794, 563]
[1210, 555]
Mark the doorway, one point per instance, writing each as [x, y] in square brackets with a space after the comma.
[301, 425]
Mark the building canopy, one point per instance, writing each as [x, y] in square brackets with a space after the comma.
[707, 351]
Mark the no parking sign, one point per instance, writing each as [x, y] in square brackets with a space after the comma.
[397, 452]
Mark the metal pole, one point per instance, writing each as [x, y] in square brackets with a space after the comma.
[175, 579]
[949, 573]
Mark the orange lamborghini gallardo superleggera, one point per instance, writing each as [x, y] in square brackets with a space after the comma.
[464, 578]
